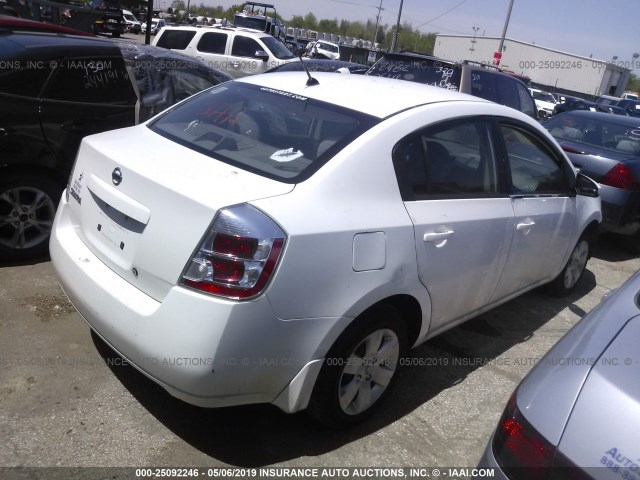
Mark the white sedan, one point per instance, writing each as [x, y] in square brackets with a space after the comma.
[275, 240]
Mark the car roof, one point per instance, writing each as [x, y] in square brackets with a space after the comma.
[605, 117]
[218, 28]
[44, 44]
[21, 24]
[358, 92]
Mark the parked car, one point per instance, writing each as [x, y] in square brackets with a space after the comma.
[607, 100]
[545, 103]
[574, 103]
[321, 65]
[632, 107]
[475, 79]
[237, 51]
[59, 89]
[376, 253]
[558, 422]
[561, 97]
[157, 25]
[630, 96]
[607, 149]
[323, 49]
[111, 21]
[133, 24]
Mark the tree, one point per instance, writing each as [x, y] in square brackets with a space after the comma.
[634, 83]
[296, 22]
[310, 21]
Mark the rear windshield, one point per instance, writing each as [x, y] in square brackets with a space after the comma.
[420, 70]
[270, 132]
[606, 134]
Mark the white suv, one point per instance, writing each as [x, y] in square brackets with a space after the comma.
[236, 51]
[324, 49]
[545, 102]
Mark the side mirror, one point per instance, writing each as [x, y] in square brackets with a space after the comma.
[261, 55]
[586, 187]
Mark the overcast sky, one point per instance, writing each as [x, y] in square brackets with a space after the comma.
[602, 28]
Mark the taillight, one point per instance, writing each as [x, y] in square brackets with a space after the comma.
[518, 447]
[622, 177]
[238, 255]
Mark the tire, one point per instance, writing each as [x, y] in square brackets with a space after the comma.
[360, 369]
[28, 203]
[572, 272]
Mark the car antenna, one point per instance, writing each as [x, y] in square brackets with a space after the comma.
[311, 81]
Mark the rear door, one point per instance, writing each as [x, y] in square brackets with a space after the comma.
[539, 183]
[463, 225]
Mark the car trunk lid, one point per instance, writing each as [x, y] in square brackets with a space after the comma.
[143, 202]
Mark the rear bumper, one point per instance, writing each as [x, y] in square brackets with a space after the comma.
[620, 210]
[204, 350]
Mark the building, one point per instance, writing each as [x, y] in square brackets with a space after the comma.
[550, 69]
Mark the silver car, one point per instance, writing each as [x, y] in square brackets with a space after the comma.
[579, 408]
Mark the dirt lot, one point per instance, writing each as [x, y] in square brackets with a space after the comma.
[66, 400]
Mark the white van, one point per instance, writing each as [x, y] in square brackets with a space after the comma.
[133, 25]
[236, 51]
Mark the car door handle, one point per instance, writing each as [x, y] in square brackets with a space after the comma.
[526, 226]
[438, 238]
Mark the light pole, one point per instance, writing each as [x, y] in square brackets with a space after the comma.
[473, 42]
[395, 35]
[498, 55]
[375, 35]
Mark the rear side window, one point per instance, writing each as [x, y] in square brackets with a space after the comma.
[527, 105]
[103, 80]
[213, 42]
[427, 71]
[533, 167]
[507, 93]
[454, 160]
[483, 85]
[272, 133]
[176, 39]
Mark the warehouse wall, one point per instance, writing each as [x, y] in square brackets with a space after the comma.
[543, 65]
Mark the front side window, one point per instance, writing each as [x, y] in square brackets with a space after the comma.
[270, 132]
[278, 49]
[245, 47]
[454, 160]
[533, 167]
